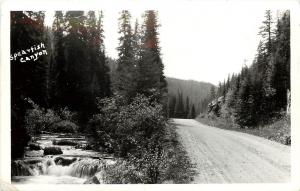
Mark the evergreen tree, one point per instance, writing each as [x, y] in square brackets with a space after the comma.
[99, 71]
[224, 91]
[187, 108]
[281, 76]
[244, 109]
[193, 112]
[136, 41]
[30, 79]
[171, 106]
[179, 108]
[212, 94]
[267, 32]
[58, 66]
[151, 79]
[125, 82]
[75, 78]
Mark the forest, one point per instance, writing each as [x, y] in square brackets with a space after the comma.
[120, 106]
[184, 97]
[260, 93]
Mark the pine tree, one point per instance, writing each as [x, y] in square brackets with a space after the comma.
[136, 42]
[29, 80]
[104, 73]
[76, 80]
[171, 106]
[179, 108]
[267, 32]
[193, 112]
[224, 91]
[281, 76]
[212, 94]
[125, 82]
[244, 108]
[187, 108]
[58, 67]
[151, 79]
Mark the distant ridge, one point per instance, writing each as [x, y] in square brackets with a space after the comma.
[194, 89]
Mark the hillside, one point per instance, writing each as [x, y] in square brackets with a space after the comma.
[196, 91]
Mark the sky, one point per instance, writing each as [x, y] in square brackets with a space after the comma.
[197, 43]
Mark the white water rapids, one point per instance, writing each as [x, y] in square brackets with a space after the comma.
[73, 166]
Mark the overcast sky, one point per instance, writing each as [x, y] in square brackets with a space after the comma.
[198, 43]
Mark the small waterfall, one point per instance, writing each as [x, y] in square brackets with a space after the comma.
[82, 168]
[86, 167]
[75, 165]
[21, 168]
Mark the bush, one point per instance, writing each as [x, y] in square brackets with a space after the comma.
[64, 142]
[66, 114]
[124, 127]
[122, 172]
[161, 164]
[64, 127]
[138, 132]
[39, 119]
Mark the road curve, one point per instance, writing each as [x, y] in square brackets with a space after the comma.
[223, 156]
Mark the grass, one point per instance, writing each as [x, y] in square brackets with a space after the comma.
[278, 130]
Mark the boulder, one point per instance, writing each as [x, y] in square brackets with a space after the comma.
[84, 146]
[34, 146]
[64, 142]
[38, 153]
[287, 140]
[92, 180]
[52, 151]
[64, 161]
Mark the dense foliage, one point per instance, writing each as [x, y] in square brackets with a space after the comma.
[261, 91]
[196, 91]
[125, 127]
[27, 80]
[178, 108]
[39, 119]
[71, 74]
[69, 90]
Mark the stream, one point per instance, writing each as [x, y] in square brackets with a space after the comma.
[71, 162]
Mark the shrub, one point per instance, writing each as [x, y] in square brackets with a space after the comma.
[34, 119]
[138, 132]
[64, 127]
[64, 142]
[125, 127]
[122, 172]
[39, 119]
[66, 114]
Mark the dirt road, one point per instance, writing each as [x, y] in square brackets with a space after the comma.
[223, 156]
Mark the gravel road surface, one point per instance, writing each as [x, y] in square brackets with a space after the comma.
[223, 156]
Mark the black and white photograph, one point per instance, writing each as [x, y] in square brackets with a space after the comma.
[191, 95]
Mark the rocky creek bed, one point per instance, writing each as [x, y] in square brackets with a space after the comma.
[60, 159]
